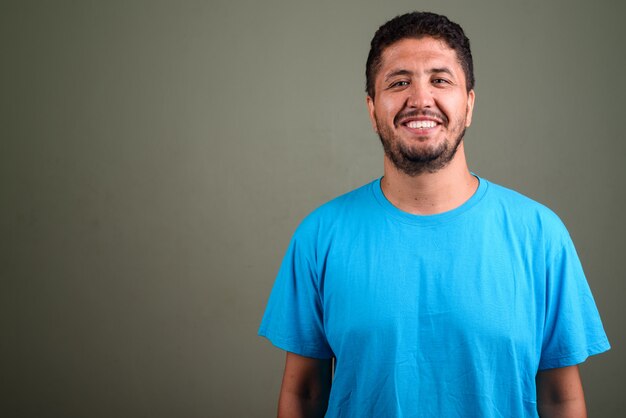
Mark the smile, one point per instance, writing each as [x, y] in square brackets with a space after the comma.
[421, 124]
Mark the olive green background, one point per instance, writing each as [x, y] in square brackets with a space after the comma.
[155, 158]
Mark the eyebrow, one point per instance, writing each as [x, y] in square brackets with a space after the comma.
[396, 73]
[441, 70]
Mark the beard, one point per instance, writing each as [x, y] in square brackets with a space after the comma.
[413, 159]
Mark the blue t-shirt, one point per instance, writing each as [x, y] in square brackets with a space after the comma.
[447, 315]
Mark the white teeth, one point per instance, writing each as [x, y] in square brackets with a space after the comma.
[421, 124]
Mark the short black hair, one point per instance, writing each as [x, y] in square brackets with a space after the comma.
[417, 25]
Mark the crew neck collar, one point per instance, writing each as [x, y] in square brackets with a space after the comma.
[429, 219]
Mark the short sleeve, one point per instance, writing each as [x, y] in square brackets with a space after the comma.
[294, 318]
[573, 330]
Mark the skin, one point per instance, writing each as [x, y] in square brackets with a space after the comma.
[420, 79]
[560, 393]
[425, 172]
[423, 76]
[306, 387]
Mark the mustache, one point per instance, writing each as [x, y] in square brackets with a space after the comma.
[415, 113]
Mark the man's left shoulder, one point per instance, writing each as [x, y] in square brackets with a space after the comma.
[525, 210]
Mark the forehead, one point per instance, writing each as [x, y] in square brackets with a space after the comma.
[425, 51]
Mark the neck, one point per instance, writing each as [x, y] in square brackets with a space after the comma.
[430, 193]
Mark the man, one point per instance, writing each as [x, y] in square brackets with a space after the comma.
[437, 293]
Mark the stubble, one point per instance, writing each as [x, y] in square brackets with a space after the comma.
[415, 159]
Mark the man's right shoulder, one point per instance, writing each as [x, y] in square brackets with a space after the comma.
[338, 209]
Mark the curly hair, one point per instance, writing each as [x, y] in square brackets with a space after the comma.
[417, 25]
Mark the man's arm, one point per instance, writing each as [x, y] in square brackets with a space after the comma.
[306, 387]
[560, 393]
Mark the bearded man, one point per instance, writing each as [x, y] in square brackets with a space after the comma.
[430, 292]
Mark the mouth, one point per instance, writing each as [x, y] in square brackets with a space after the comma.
[421, 126]
[421, 123]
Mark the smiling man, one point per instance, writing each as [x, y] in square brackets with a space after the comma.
[436, 292]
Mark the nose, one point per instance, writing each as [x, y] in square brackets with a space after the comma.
[420, 96]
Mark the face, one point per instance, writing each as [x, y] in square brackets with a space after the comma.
[421, 107]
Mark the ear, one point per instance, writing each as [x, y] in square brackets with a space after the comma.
[372, 113]
[471, 96]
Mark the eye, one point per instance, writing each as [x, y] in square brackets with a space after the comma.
[401, 83]
[441, 81]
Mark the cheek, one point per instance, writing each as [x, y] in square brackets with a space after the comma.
[455, 110]
[387, 110]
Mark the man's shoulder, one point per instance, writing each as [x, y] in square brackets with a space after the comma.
[523, 209]
[346, 205]
[516, 199]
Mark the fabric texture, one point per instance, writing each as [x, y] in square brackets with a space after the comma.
[447, 315]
